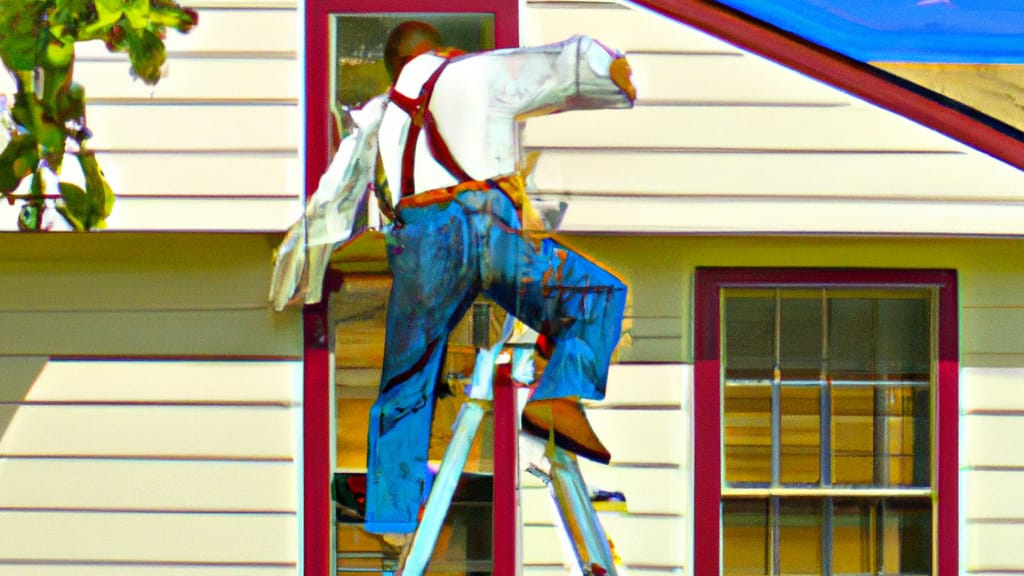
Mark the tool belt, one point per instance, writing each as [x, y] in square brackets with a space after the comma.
[511, 185]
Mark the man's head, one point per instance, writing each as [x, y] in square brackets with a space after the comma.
[407, 41]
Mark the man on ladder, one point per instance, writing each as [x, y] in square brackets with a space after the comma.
[441, 151]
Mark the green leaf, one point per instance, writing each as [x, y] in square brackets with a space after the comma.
[60, 51]
[109, 11]
[21, 23]
[70, 103]
[72, 15]
[171, 15]
[22, 154]
[51, 135]
[147, 54]
[76, 207]
[24, 104]
[8, 181]
[52, 127]
[19, 159]
[29, 114]
[100, 192]
[137, 12]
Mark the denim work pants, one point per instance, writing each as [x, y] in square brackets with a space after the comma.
[442, 257]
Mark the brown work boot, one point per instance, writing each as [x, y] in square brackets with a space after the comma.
[572, 430]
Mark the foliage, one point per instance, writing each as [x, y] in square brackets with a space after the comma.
[37, 45]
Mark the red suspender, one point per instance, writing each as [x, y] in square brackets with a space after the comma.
[418, 110]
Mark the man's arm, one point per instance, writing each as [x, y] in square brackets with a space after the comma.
[330, 218]
[578, 73]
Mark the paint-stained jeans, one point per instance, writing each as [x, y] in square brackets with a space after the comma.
[442, 258]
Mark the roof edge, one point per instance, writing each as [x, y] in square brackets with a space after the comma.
[859, 79]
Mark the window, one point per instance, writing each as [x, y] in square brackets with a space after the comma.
[826, 419]
[341, 69]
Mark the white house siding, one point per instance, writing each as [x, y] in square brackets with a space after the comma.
[993, 468]
[213, 146]
[149, 408]
[722, 141]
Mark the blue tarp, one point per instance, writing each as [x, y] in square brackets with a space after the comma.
[934, 31]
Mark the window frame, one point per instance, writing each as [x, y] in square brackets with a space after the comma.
[317, 548]
[707, 395]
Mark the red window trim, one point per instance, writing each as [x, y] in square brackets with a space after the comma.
[707, 491]
[317, 546]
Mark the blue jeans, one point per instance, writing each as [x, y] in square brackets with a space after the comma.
[442, 257]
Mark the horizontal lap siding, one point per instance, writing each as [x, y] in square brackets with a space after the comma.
[193, 432]
[200, 80]
[260, 178]
[720, 137]
[798, 215]
[720, 128]
[993, 466]
[137, 569]
[86, 537]
[152, 333]
[644, 423]
[101, 456]
[716, 173]
[142, 295]
[150, 424]
[994, 547]
[120, 483]
[215, 144]
[180, 127]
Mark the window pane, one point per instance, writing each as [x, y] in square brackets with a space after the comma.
[851, 329]
[800, 457]
[854, 524]
[745, 537]
[359, 47]
[800, 338]
[853, 434]
[748, 438]
[800, 533]
[907, 547]
[904, 341]
[882, 536]
[907, 450]
[749, 335]
[880, 436]
[879, 338]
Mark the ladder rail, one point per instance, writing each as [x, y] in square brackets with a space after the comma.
[564, 480]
